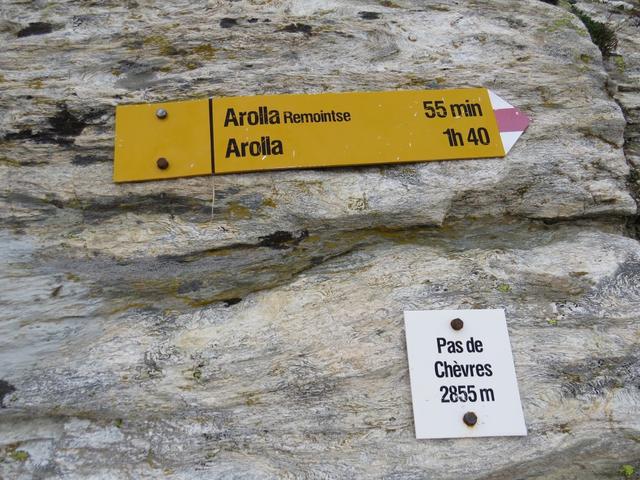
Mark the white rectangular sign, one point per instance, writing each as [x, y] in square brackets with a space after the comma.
[463, 383]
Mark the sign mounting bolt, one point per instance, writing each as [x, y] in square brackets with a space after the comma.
[457, 324]
[162, 163]
[470, 419]
[161, 113]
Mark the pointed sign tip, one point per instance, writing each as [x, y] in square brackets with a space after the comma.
[512, 122]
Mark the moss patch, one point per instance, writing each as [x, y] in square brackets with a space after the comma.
[189, 65]
[19, 455]
[562, 24]
[35, 84]
[627, 471]
[161, 44]
[268, 202]
[8, 161]
[619, 63]
[235, 211]
[251, 399]
[204, 51]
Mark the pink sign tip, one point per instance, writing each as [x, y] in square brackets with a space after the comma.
[511, 120]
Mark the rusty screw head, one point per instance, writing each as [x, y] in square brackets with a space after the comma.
[161, 113]
[457, 324]
[162, 163]
[470, 419]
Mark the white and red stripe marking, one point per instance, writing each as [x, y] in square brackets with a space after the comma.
[511, 122]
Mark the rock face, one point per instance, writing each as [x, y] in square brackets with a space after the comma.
[161, 330]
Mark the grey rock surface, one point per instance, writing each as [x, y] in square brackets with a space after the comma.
[250, 326]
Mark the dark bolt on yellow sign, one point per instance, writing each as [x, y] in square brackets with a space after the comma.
[250, 134]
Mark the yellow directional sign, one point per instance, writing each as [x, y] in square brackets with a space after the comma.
[245, 134]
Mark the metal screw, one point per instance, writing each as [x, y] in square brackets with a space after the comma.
[470, 419]
[162, 163]
[161, 113]
[457, 324]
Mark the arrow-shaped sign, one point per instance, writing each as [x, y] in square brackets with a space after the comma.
[248, 134]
